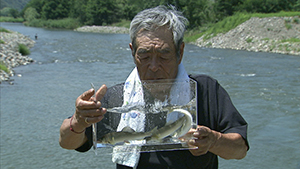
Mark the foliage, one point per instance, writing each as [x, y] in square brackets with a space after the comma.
[15, 4]
[66, 23]
[267, 6]
[30, 14]
[4, 30]
[122, 23]
[55, 9]
[10, 19]
[3, 67]
[229, 23]
[291, 40]
[106, 12]
[23, 49]
[10, 12]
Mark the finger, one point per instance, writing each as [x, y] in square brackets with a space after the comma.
[87, 94]
[84, 105]
[201, 132]
[92, 112]
[101, 92]
[90, 120]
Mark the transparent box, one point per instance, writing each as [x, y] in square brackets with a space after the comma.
[150, 115]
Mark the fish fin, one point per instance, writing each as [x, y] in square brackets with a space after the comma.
[154, 129]
[127, 129]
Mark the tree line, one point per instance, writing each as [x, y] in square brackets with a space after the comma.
[106, 12]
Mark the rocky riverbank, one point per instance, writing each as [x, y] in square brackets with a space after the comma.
[274, 34]
[9, 52]
[103, 29]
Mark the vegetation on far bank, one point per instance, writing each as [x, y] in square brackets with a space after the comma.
[11, 19]
[231, 22]
[66, 23]
[200, 13]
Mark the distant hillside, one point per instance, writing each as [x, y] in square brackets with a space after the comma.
[15, 4]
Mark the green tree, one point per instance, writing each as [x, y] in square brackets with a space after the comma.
[296, 7]
[36, 4]
[5, 11]
[199, 12]
[101, 12]
[228, 7]
[13, 13]
[30, 14]
[77, 10]
[267, 6]
[55, 9]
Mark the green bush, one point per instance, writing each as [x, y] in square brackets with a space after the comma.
[24, 50]
[4, 30]
[3, 67]
[10, 19]
[67, 23]
[230, 22]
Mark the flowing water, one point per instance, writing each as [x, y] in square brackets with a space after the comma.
[264, 87]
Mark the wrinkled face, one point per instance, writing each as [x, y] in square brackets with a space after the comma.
[156, 60]
[155, 56]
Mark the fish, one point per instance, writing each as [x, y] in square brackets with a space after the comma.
[177, 128]
[125, 135]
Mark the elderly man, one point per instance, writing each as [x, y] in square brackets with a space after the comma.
[157, 48]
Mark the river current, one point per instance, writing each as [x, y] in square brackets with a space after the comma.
[264, 87]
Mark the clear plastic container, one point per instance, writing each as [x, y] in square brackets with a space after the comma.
[154, 116]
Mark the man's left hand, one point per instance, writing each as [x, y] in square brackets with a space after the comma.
[204, 139]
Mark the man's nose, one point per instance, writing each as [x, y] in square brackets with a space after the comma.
[154, 64]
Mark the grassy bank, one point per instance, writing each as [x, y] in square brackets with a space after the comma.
[67, 23]
[10, 19]
[229, 23]
[2, 65]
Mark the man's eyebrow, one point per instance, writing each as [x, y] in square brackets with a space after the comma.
[142, 50]
[164, 50]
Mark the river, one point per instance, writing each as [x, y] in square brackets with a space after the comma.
[264, 87]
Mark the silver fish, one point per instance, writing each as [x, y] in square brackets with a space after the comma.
[125, 135]
[178, 128]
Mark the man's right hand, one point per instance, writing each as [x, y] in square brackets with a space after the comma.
[88, 108]
[88, 111]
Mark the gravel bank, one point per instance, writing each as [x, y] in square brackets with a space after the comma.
[103, 29]
[9, 54]
[272, 34]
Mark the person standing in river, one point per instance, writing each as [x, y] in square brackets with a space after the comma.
[157, 48]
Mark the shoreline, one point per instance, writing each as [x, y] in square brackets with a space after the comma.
[10, 55]
[103, 29]
[272, 34]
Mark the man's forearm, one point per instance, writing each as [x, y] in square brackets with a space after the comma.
[230, 146]
[69, 139]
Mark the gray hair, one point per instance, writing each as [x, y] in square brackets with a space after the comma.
[153, 18]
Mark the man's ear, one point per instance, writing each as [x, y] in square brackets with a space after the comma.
[132, 50]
